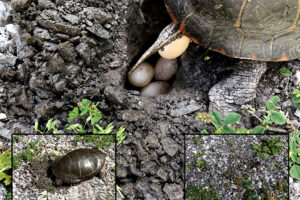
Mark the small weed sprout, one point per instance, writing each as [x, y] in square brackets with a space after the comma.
[87, 112]
[294, 154]
[5, 165]
[120, 192]
[285, 71]
[50, 126]
[268, 147]
[221, 125]
[194, 192]
[296, 98]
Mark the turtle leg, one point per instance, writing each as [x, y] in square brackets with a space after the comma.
[239, 88]
[168, 34]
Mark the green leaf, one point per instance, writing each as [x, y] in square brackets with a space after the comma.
[296, 92]
[217, 122]
[204, 132]
[232, 118]
[285, 71]
[271, 106]
[258, 130]
[199, 162]
[108, 128]
[294, 158]
[100, 129]
[36, 126]
[279, 145]
[51, 125]
[296, 99]
[267, 120]
[256, 147]
[97, 116]
[277, 117]
[275, 99]
[295, 172]
[8, 180]
[293, 146]
[265, 156]
[219, 131]
[120, 135]
[243, 131]
[228, 130]
[76, 127]
[73, 114]
[2, 175]
[189, 165]
[84, 107]
[85, 104]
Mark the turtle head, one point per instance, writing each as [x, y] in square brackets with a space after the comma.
[168, 34]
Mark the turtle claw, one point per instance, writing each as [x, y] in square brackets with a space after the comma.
[168, 34]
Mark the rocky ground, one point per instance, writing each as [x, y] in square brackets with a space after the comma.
[54, 53]
[33, 179]
[225, 164]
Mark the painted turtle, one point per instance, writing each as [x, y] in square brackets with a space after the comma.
[78, 165]
[249, 29]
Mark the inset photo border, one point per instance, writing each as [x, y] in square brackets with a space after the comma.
[236, 167]
[35, 176]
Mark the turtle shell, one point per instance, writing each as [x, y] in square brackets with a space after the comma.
[78, 165]
[250, 29]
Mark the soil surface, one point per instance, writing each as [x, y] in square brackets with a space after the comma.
[57, 52]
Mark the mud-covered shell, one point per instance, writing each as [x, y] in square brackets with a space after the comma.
[267, 30]
[78, 165]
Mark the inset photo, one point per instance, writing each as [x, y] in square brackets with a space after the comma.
[5, 169]
[64, 167]
[236, 167]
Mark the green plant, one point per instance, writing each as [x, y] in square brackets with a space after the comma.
[92, 114]
[197, 141]
[50, 126]
[273, 114]
[201, 164]
[294, 154]
[99, 142]
[28, 154]
[9, 195]
[30, 151]
[189, 165]
[268, 147]
[285, 71]
[224, 126]
[5, 166]
[228, 124]
[296, 98]
[120, 191]
[88, 113]
[120, 135]
[253, 194]
[194, 192]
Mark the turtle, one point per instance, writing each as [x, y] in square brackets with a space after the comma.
[78, 165]
[261, 30]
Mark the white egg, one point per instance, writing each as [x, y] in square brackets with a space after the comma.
[175, 48]
[142, 75]
[165, 69]
[155, 88]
